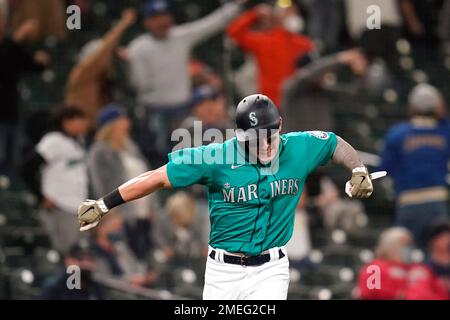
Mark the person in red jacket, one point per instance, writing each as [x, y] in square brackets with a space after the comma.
[276, 48]
[386, 277]
[431, 280]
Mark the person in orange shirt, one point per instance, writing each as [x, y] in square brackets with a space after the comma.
[276, 48]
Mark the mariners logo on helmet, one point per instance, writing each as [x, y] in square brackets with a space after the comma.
[256, 112]
[253, 119]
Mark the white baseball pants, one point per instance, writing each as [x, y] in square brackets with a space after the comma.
[224, 281]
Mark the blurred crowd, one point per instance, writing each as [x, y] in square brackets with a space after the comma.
[129, 88]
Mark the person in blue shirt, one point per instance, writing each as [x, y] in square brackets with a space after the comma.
[415, 155]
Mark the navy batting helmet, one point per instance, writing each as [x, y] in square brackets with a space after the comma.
[256, 112]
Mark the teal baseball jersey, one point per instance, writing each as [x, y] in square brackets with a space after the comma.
[251, 205]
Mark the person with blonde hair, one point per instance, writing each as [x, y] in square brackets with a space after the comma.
[182, 209]
[179, 233]
[391, 242]
[386, 277]
[115, 152]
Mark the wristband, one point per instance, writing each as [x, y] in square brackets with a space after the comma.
[113, 199]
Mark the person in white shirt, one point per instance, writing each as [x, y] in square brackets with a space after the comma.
[158, 67]
[59, 158]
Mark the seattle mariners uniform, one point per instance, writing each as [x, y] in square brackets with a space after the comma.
[253, 190]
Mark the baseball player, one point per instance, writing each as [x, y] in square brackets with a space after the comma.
[251, 200]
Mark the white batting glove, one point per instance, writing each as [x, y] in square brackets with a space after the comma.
[90, 212]
[362, 191]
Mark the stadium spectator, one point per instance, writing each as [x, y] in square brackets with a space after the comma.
[114, 257]
[208, 110]
[201, 74]
[50, 15]
[386, 277]
[91, 81]
[56, 288]
[380, 40]
[337, 212]
[179, 234]
[415, 155]
[114, 151]
[431, 281]
[309, 99]
[276, 48]
[15, 61]
[58, 165]
[158, 63]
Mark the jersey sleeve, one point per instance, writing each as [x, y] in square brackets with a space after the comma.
[187, 167]
[320, 147]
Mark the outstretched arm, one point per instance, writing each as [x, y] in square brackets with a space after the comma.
[91, 212]
[347, 156]
[197, 31]
[314, 71]
[97, 62]
[240, 30]
[145, 184]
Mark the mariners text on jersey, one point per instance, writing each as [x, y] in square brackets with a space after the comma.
[247, 193]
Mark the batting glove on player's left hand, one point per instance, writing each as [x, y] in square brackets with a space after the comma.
[360, 183]
[90, 212]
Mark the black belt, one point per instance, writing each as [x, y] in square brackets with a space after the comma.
[248, 261]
